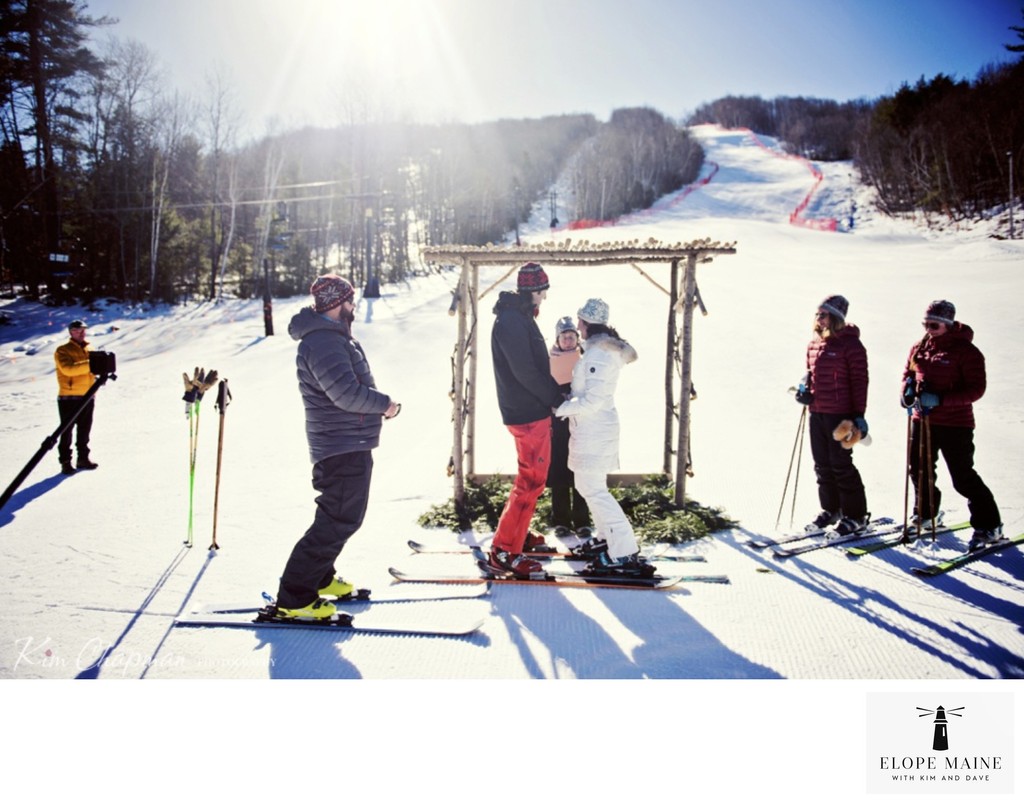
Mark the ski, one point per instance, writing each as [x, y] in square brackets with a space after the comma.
[899, 539]
[765, 541]
[566, 580]
[656, 554]
[832, 541]
[341, 622]
[360, 596]
[962, 559]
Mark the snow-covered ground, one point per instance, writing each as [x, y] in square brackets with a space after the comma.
[94, 571]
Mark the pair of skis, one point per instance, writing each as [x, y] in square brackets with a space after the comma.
[957, 561]
[892, 536]
[565, 579]
[825, 537]
[658, 552]
[364, 616]
[967, 557]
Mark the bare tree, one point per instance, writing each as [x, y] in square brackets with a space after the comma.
[221, 119]
[171, 121]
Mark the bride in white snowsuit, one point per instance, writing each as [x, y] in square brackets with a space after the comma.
[594, 425]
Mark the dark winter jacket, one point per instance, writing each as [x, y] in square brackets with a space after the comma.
[526, 390]
[951, 366]
[838, 367]
[343, 408]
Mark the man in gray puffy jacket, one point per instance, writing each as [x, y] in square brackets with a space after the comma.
[344, 411]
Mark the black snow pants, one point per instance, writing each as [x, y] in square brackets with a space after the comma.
[344, 485]
[840, 489]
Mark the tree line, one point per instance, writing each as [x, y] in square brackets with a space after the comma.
[111, 184]
[939, 145]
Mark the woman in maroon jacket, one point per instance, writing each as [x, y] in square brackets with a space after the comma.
[944, 376]
[836, 388]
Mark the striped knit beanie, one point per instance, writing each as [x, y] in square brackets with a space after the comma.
[837, 306]
[942, 311]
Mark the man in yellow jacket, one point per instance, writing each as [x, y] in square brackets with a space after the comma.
[74, 379]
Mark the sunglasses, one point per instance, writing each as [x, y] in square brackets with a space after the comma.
[932, 325]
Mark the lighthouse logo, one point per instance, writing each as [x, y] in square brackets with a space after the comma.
[940, 737]
[964, 744]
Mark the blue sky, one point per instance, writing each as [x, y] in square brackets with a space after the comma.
[318, 61]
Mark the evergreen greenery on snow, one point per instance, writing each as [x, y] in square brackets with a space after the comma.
[649, 506]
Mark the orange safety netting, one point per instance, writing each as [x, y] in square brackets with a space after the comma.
[796, 217]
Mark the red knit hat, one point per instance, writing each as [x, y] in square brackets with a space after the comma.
[330, 291]
[532, 278]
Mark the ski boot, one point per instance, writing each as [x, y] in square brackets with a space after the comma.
[852, 525]
[341, 589]
[983, 538]
[517, 564]
[319, 609]
[591, 548]
[822, 521]
[923, 527]
[535, 543]
[631, 566]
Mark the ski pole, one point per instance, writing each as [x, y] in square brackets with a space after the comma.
[926, 422]
[797, 447]
[922, 472]
[193, 442]
[906, 474]
[223, 398]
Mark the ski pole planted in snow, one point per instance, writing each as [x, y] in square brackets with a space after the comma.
[796, 453]
[195, 387]
[223, 398]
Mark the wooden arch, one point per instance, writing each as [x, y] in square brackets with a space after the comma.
[683, 297]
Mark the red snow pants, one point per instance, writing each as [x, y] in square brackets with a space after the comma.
[533, 448]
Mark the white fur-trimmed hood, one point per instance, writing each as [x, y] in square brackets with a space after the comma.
[609, 343]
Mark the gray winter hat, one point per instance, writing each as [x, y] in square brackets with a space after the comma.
[942, 311]
[837, 306]
[565, 324]
[595, 311]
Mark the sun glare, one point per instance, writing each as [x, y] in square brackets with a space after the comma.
[386, 59]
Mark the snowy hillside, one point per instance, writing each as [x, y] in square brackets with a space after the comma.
[93, 569]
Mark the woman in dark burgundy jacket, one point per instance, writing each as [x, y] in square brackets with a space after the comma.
[836, 390]
[944, 376]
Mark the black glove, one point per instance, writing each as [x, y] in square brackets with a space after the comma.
[803, 393]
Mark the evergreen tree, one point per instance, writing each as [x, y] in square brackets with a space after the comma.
[44, 59]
